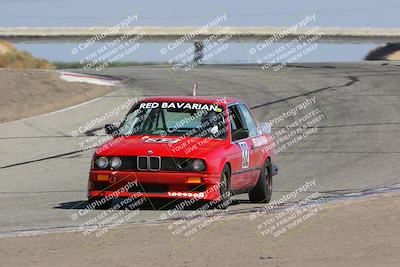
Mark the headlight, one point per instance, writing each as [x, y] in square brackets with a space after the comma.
[198, 165]
[115, 162]
[102, 162]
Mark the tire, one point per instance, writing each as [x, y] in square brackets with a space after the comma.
[104, 206]
[224, 189]
[262, 191]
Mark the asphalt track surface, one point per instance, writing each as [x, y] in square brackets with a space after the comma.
[43, 174]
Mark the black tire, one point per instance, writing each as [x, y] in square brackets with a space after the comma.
[98, 203]
[262, 191]
[224, 189]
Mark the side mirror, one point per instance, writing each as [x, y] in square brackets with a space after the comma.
[240, 134]
[111, 129]
[264, 128]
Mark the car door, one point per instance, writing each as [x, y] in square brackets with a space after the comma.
[242, 158]
[254, 135]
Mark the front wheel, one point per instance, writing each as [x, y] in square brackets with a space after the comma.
[262, 191]
[224, 189]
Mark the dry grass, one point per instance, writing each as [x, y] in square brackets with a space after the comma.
[12, 59]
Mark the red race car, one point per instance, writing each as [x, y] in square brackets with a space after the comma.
[184, 147]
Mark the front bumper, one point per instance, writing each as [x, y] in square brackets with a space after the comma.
[124, 184]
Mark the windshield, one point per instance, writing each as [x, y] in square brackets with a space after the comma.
[175, 119]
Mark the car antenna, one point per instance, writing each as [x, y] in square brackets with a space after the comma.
[194, 89]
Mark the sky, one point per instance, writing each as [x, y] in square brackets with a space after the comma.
[73, 13]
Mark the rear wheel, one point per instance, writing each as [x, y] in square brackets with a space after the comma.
[99, 203]
[262, 191]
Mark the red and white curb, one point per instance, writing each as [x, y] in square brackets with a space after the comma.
[86, 78]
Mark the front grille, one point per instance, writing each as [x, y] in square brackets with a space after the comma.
[128, 163]
[175, 164]
[153, 163]
[142, 163]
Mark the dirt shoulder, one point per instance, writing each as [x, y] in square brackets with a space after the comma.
[25, 93]
[358, 233]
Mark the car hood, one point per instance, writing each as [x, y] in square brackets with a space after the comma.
[159, 146]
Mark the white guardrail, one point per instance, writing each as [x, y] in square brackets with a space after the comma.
[157, 34]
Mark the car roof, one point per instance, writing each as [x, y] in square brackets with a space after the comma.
[196, 99]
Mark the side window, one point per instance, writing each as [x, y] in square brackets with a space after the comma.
[231, 119]
[250, 124]
[238, 129]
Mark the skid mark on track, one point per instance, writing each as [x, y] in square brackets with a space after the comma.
[353, 80]
[42, 159]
